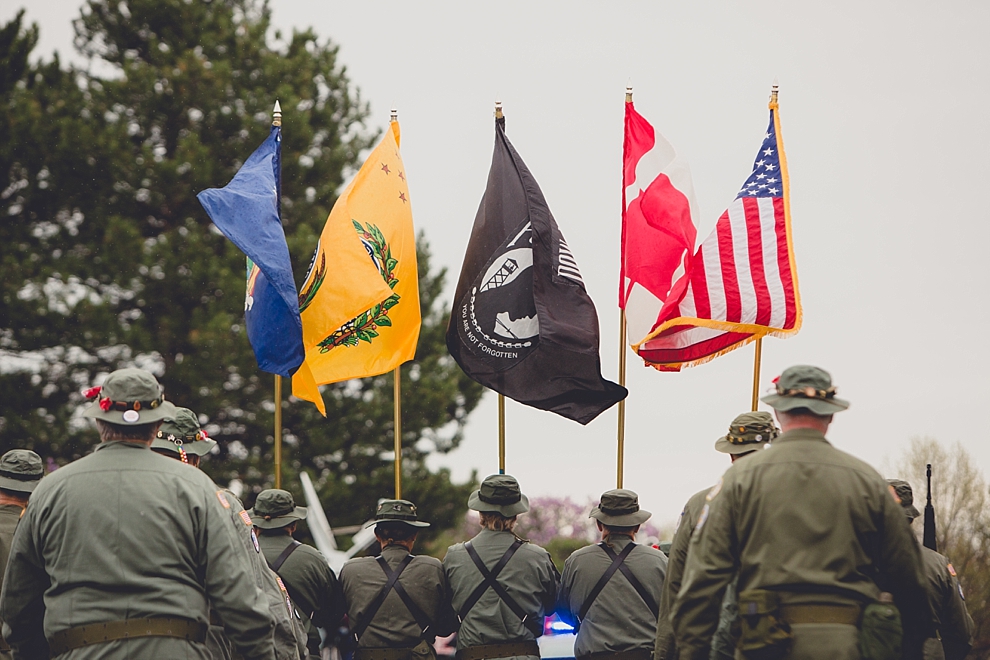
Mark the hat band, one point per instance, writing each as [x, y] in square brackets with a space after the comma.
[179, 439]
[498, 501]
[274, 514]
[808, 393]
[617, 512]
[20, 476]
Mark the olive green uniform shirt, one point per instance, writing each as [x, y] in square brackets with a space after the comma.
[530, 578]
[311, 582]
[665, 645]
[809, 522]
[953, 621]
[122, 534]
[394, 626]
[290, 636]
[619, 619]
[9, 515]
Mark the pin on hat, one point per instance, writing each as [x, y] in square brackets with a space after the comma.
[620, 507]
[808, 387]
[129, 396]
[182, 434]
[397, 511]
[20, 470]
[747, 432]
[499, 493]
[275, 508]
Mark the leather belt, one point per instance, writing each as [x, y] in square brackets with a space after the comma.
[383, 653]
[845, 614]
[634, 654]
[74, 638]
[487, 651]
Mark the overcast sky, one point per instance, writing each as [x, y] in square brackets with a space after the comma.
[883, 108]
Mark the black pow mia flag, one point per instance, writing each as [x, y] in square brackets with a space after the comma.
[522, 322]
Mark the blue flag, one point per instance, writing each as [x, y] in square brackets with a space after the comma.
[246, 210]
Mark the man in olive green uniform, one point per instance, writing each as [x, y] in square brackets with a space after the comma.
[20, 472]
[615, 615]
[945, 595]
[813, 534]
[310, 581]
[397, 603]
[748, 432]
[181, 437]
[120, 554]
[502, 587]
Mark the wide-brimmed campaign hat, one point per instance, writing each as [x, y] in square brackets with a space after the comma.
[902, 490]
[129, 396]
[748, 432]
[182, 431]
[275, 508]
[397, 511]
[620, 507]
[499, 493]
[808, 387]
[20, 470]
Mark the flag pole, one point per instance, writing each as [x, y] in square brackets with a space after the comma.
[277, 121]
[501, 397]
[621, 450]
[398, 433]
[756, 373]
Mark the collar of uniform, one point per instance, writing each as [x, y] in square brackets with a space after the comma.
[121, 443]
[800, 434]
[394, 553]
[619, 542]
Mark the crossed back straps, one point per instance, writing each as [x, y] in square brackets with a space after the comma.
[490, 581]
[618, 564]
[289, 549]
[392, 582]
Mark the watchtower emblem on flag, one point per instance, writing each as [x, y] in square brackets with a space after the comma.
[742, 282]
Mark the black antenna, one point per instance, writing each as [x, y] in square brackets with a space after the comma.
[929, 536]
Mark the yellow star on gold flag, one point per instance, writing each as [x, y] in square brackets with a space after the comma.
[360, 300]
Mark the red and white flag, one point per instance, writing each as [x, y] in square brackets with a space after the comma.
[658, 233]
[742, 282]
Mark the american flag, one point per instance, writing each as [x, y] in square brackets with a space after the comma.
[742, 283]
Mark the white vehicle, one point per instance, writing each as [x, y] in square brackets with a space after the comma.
[322, 533]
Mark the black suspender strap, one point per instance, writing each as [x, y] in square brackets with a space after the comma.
[490, 582]
[422, 620]
[618, 562]
[277, 564]
[392, 580]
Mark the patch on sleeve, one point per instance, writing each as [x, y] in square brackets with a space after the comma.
[893, 493]
[959, 586]
[223, 499]
[702, 518]
[713, 493]
[245, 517]
[679, 519]
[285, 594]
[952, 570]
[254, 539]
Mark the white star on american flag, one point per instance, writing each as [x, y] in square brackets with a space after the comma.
[768, 152]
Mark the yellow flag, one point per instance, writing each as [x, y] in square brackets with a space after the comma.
[360, 300]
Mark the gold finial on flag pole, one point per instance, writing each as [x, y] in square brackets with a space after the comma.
[773, 92]
[629, 93]
[395, 114]
[277, 114]
[498, 109]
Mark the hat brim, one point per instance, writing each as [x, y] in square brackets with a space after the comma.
[198, 448]
[912, 511]
[279, 521]
[507, 510]
[411, 523]
[625, 520]
[817, 406]
[145, 415]
[18, 486]
[723, 445]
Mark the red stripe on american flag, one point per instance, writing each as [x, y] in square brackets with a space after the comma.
[784, 262]
[730, 284]
[754, 228]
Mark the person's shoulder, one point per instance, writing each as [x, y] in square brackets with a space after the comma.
[453, 551]
[357, 565]
[533, 551]
[648, 551]
[311, 554]
[584, 552]
[426, 560]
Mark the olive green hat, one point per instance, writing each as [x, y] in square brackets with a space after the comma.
[747, 432]
[20, 470]
[397, 511]
[274, 509]
[902, 491]
[805, 387]
[129, 396]
[183, 430]
[499, 493]
[620, 507]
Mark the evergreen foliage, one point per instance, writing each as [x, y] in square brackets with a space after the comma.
[109, 261]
